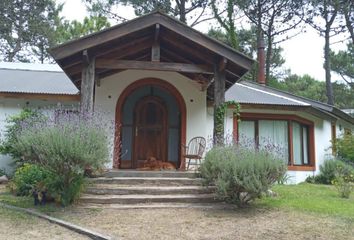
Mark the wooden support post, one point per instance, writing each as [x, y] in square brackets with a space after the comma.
[219, 99]
[87, 82]
[155, 49]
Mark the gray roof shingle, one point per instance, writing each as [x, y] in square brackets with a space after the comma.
[242, 93]
[22, 78]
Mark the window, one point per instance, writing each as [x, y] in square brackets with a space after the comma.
[289, 136]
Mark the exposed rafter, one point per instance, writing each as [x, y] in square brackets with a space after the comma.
[158, 66]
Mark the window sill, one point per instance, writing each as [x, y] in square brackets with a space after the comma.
[301, 168]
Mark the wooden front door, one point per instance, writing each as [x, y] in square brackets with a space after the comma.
[150, 130]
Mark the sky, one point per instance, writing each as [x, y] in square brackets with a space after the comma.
[303, 53]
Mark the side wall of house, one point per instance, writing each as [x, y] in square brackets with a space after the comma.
[9, 107]
[107, 94]
[322, 132]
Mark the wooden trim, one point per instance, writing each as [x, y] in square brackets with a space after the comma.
[301, 168]
[119, 107]
[333, 138]
[42, 96]
[87, 83]
[155, 49]
[266, 116]
[157, 66]
[149, 20]
[287, 117]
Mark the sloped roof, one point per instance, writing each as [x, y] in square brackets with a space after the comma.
[252, 93]
[35, 78]
[242, 93]
[133, 41]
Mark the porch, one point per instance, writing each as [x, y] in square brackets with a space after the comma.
[154, 76]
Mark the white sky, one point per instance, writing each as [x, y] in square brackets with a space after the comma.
[303, 53]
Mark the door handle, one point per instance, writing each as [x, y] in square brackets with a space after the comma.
[136, 131]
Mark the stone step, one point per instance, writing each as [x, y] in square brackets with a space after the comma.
[156, 181]
[111, 189]
[145, 198]
[217, 205]
[135, 173]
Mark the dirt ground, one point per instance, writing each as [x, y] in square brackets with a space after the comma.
[212, 224]
[17, 226]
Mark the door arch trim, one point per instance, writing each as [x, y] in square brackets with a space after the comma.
[119, 108]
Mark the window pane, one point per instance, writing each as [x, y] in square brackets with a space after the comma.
[305, 144]
[246, 131]
[297, 154]
[273, 136]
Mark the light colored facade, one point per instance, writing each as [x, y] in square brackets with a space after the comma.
[36, 86]
[198, 115]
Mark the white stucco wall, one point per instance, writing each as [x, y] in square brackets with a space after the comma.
[10, 107]
[107, 94]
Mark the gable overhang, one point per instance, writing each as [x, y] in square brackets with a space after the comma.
[130, 45]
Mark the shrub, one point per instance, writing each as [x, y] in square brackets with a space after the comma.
[65, 146]
[345, 147]
[241, 174]
[2, 172]
[344, 184]
[328, 171]
[26, 179]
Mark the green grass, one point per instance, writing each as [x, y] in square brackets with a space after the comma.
[313, 198]
[27, 202]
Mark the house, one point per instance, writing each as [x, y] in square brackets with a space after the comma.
[160, 81]
[34, 86]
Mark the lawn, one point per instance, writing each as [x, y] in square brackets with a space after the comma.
[312, 198]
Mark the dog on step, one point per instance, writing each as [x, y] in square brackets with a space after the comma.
[153, 164]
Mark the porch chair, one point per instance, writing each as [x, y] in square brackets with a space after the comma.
[194, 150]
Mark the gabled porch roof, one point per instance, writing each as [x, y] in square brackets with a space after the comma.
[154, 42]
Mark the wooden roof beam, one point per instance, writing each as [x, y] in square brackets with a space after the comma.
[158, 66]
[155, 49]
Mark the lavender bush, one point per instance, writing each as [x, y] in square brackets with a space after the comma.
[65, 144]
[241, 174]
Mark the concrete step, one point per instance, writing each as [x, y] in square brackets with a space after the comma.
[147, 198]
[156, 181]
[135, 173]
[217, 205]
[111, 189]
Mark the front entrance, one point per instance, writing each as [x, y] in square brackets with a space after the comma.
[150, 130]
[151, 122]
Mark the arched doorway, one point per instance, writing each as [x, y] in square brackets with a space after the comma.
[150, 121]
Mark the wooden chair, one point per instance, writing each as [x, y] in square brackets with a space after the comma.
[194, 150]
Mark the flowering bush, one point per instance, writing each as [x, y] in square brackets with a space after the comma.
[241, 174]
[65, 144]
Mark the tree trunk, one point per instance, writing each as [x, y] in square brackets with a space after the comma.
[327, 66]
[182, 11]
[268, 57]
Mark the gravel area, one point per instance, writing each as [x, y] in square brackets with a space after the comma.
[211, 224]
